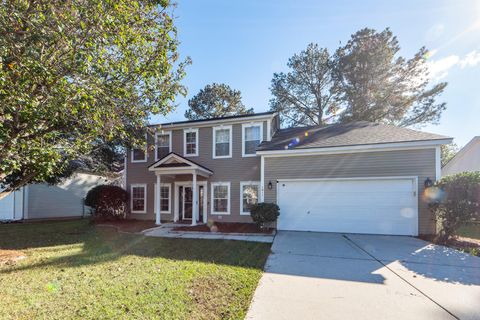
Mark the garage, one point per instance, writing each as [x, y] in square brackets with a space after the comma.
[351, 205]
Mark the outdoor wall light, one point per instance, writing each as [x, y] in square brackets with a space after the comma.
[270, 185]
[428, 183]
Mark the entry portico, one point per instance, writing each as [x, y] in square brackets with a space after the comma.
[176, 165]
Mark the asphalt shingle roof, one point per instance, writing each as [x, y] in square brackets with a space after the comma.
[349, 134]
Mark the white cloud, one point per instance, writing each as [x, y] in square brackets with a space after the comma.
[470, 60]
[439, 69]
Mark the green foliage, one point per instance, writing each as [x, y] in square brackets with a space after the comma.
[91, 199]
[366, 79]
[376, 84]
[264, 212]
[75, 75]
[305, 95]
[448, 151]
[112, 203]
[455, 200]
[215, 101]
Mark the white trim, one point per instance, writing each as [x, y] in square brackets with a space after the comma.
[169, 133]
[25, 201]
[213, 185]
[177, 184]
[250, 125]
[262, 179]
[185, 131]
[438, 163]
[209, 123]
[146, 152]
[179, 170]
[214, 135]
[169, 185]
[248, 183]
[269, 130]
[357, 148]
[138, 185]
[352, 178]
[124, 173]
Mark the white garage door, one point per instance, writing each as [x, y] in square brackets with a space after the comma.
[376, 206]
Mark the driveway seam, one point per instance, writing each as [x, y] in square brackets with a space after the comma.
[405, 280]
[436, 264]
[322, 256]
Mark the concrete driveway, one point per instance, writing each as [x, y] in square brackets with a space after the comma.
[350, 276]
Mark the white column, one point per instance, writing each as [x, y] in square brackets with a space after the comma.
[157, 202]
[195, 199]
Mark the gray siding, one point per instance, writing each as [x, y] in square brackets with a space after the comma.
[233, 170]
[62, 200]
[420, 163]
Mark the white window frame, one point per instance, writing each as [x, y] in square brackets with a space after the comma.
[213, 185]
[169, 185]
[162, 133]
[214, 135]
[250, 125]
[146, 153]
[138, 185]
[248, 183]
[185, 131]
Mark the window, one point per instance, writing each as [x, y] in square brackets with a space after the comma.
[251, 138]
[140, 154]
[222, 142]
[163, 144]
[139, 198]
[164, 197]
[248, 195]
[190, 142]
[221, 198]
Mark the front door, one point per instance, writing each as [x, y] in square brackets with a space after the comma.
[186, 202]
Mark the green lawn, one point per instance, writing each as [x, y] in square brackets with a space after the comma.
[74, 270]
[471, 230]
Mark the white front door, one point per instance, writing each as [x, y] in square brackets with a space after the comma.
[365, 205]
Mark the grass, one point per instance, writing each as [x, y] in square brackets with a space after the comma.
[75, 270]
[471, 230]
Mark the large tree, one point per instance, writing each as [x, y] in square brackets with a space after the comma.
[214, 101]
[305, 95]
[78, 75]
[376, 84]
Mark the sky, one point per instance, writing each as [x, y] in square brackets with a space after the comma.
[242, 43]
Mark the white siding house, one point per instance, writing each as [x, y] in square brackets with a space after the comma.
[467, 159]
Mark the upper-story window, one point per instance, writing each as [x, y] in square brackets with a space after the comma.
[222, 142]
[251, 138]
[163, 144]
[190, 142]
[140, 154]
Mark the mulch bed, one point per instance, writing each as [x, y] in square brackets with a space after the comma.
[8, 257]
[128, 225]
[459, 243]
[224, 227]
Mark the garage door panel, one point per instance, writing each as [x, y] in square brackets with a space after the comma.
[360, 206]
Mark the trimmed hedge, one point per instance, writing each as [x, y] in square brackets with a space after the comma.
[109, 202]
[264, 213]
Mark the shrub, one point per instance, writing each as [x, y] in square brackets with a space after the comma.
[455, 200]
[111, 202]
[93, 194]
[264, 212]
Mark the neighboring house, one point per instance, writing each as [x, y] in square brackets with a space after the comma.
[359, 177]
[467, 159]
[43, 201]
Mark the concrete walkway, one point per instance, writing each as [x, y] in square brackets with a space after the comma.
[166, 231]
[336, 276]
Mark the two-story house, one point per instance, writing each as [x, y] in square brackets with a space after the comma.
[360, 177]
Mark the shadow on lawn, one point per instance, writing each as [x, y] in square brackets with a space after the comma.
[101, 245]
